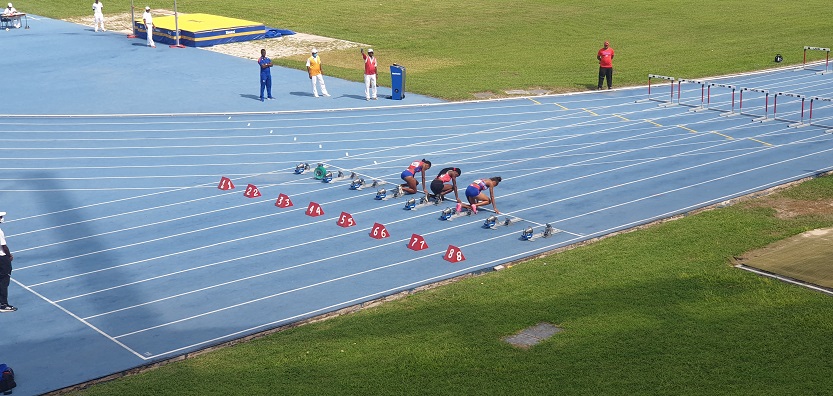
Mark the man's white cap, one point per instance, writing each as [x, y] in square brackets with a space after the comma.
[147, 8]
[10, 5]
[2, 214]
[370, 50]
[314, 51]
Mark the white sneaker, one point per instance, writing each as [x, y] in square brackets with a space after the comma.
[316, 95]
[326, 94]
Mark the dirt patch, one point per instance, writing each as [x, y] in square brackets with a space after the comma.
[279, 47]
[787, 208]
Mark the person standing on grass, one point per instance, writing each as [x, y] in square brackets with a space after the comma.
[148, 20]
[98, 15]
[316, 73]
[265, 75]
[476, 196]
[369, 74]
[5, 271]
[605, 57]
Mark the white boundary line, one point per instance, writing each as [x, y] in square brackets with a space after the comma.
[785, 279]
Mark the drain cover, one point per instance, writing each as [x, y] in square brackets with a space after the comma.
[532, 335]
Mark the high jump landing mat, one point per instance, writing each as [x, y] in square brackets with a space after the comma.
[201, 30]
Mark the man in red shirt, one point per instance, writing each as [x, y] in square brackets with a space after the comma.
[369, 74]
[605, 57]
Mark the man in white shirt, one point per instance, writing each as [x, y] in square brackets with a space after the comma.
[5, 271]
[98, 15]
[148, 19]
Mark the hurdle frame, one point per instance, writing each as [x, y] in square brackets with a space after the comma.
[694, 108]
[798, 124]
[663, 103]
[826, 59]
[734, 89]
[765, 118]
[810, 118]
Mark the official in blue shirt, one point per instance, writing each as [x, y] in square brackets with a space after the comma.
[265, 75]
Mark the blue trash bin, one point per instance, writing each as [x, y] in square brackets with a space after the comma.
[397, 82]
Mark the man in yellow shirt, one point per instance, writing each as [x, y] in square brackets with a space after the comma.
[316, 73]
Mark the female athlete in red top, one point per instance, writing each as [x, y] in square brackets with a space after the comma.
[476, 197]
[410, 186]
[439, 186]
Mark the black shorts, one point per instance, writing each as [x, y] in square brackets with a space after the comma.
[437, 186]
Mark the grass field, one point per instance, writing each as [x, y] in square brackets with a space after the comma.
[656, 311]
[452, 50]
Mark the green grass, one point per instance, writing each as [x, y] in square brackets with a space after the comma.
[452, 50]
[657, 311]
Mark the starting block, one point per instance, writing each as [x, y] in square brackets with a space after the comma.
[528, 234]
[493, 223]
[449, 214]
[377, 183]
[382, 194]
[357, 184]
[301, 168]
[412, 204]
[329, 177]
[319, 172]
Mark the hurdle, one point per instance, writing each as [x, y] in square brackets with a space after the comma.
[800, 122]
[829, 129]
[760, 118]
[663, 103]
[694, 107]
[826, 59]
[727, 113]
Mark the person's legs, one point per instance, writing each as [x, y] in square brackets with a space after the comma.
[601, 77]
[609, 76]
[5, 278]
[410, 186]
[314, 85]
[367, 87]
[323, 86]
[150, 37]
[262, 87]
[269, 87]
[373, 82]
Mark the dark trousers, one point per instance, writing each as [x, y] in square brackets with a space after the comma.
[5, 278]
[606, 72]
